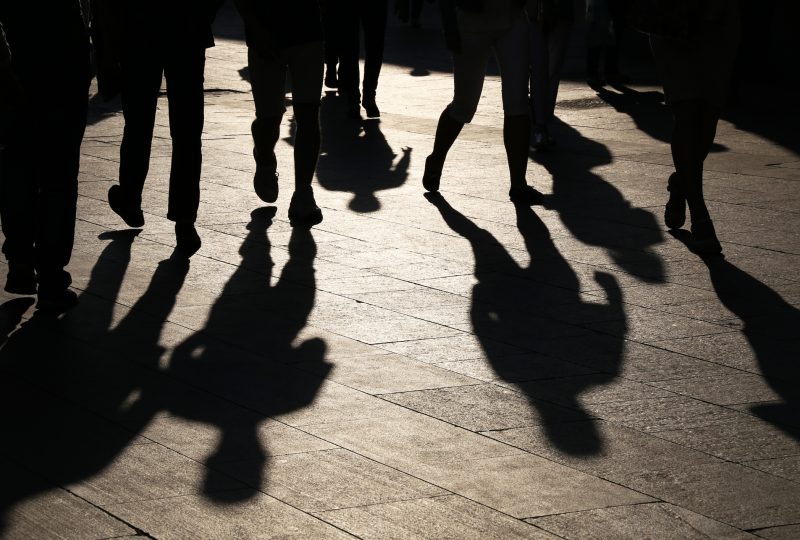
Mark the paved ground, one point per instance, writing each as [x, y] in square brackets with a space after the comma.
[450, 368]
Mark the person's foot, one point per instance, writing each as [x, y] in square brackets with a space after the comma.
[617, 78]
[371, 107]
[675, 209]
[265, 183]
[704, 239]
[130, 212]
[541, 139]
[186, 238]
[303, 209]
[432, 176]
[55, 303]
[331, 80]
[21, 278]
[526, 195]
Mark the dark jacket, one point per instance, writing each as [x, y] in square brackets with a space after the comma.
[281, 24]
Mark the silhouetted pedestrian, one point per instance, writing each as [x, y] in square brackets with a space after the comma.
[285, 36]
[163, 39]
[695, 67]
[605, 20]
[551, 22]
[474, 29]
[355, 15]
[44, 86]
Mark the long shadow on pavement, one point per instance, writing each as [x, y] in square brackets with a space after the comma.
[67, 383]
[246, 354]
[595, 212]
[770, 327]
[518, 306]
[356, 158]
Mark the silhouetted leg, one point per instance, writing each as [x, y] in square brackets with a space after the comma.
[539, 76]
[374, 13]
[516, 138]
[330, 21]
[268, 81]
[141, 81]
[514, 74]
[469, 69]
[349, 46]
[416, 12]
[18, 205]
[58, 186]
[184, 74]
[306, 66]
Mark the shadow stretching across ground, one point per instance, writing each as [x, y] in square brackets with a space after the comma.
[595, 211]
[519, 307]
[79, 392]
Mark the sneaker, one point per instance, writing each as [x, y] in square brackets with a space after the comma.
[303, 210]
[187, 239]
[55, 303]
[130, 213]
[21, 278]
[526, 195]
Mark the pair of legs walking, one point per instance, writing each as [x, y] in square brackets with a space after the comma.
[355, 15]
[268, 79]
[469, 70]
[40, 192]
[142, 71]
[692, 138]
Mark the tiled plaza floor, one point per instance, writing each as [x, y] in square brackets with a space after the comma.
[449, 367]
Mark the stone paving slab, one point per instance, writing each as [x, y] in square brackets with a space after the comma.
[418, 367]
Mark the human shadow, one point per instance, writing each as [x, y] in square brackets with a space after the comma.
[519, 306]
[70, 392]
[770, 325]
[246, 353]
[594, 211]
[355, 157]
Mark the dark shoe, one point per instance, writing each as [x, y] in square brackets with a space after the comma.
[21, 278]
[675, 209]
[187, 239]
[331, 81]
[130, 213]
[595, 83]
[526, 195]
[303, 209]
[372, 108]
[56, 303]
[265, 182]
[432, 177]
[704, 239]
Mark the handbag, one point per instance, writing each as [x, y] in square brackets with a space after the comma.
[677, 19]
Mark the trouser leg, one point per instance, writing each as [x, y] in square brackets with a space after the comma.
[184, 74]
[374, 14]
[141, 82]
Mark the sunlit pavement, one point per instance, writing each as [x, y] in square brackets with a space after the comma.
[412, 367]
